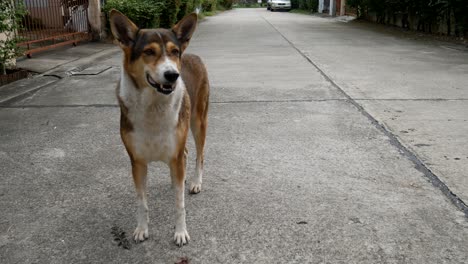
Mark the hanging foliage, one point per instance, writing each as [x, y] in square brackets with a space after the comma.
[423, 15]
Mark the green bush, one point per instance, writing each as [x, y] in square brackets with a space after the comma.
[144, 13]
[162, 13]
[226, 4]
[309, 5]
[208, 5]
[169, 14]
[426, 13]
[186, 7]
[294, 4]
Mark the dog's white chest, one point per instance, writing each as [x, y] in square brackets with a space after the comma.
[154, 123]
[154, 136]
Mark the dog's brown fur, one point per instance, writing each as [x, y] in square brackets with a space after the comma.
[156, 112]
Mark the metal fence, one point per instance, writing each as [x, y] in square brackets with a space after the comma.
[52, 23]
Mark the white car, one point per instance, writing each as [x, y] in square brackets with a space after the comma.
[274, 5]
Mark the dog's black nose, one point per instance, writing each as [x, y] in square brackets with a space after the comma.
[171, 76]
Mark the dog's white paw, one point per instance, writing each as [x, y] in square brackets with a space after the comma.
[140, 234]
[195, 188]
[181, 238]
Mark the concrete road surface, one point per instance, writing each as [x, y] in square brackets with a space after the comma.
[328, 143]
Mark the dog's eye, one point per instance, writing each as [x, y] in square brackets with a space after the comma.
[149, 52]
[175, 52]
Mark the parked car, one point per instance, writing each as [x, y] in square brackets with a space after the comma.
[274, 5]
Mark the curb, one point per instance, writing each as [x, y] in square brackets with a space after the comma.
[17, 90]
[67, 69]
[9, 92]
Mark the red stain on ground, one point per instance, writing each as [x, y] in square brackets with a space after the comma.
[183, 260]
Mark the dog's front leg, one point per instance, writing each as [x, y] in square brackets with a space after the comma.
[177, 166]
[139, 171]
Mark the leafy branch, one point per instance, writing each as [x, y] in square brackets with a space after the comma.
[10, 21]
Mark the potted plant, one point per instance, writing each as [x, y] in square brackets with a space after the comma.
[10, 21]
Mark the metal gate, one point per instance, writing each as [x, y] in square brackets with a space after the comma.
[53, 23]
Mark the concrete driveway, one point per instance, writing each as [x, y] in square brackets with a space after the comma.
[328, 143]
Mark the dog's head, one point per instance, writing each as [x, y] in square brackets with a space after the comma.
[152, 56]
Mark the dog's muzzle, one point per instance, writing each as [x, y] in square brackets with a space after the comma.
[162, 88]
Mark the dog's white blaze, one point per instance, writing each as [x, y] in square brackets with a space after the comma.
[167, 65]
[154, 117]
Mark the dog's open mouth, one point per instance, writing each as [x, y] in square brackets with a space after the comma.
[162, 88]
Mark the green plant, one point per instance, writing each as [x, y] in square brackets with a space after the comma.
[169, 14]
[186, 7]
[308, 5]
[425, 13]
[248, 5]
[208, 5]
[10, 23]
[144, 13]
[226, 4]
[162, 13]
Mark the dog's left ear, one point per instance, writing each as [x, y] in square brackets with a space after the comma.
[184, 29]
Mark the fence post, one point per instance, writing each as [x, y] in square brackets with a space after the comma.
[332, 8]
[94, 17]
[343, 8]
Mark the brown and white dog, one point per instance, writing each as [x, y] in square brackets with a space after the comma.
[162, 92]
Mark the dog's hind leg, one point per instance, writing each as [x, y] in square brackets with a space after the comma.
[177, 167]
[139, 171]
[199, 135]
[198, 127]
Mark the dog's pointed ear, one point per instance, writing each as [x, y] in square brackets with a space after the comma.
[184, 29]
[123, 29]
